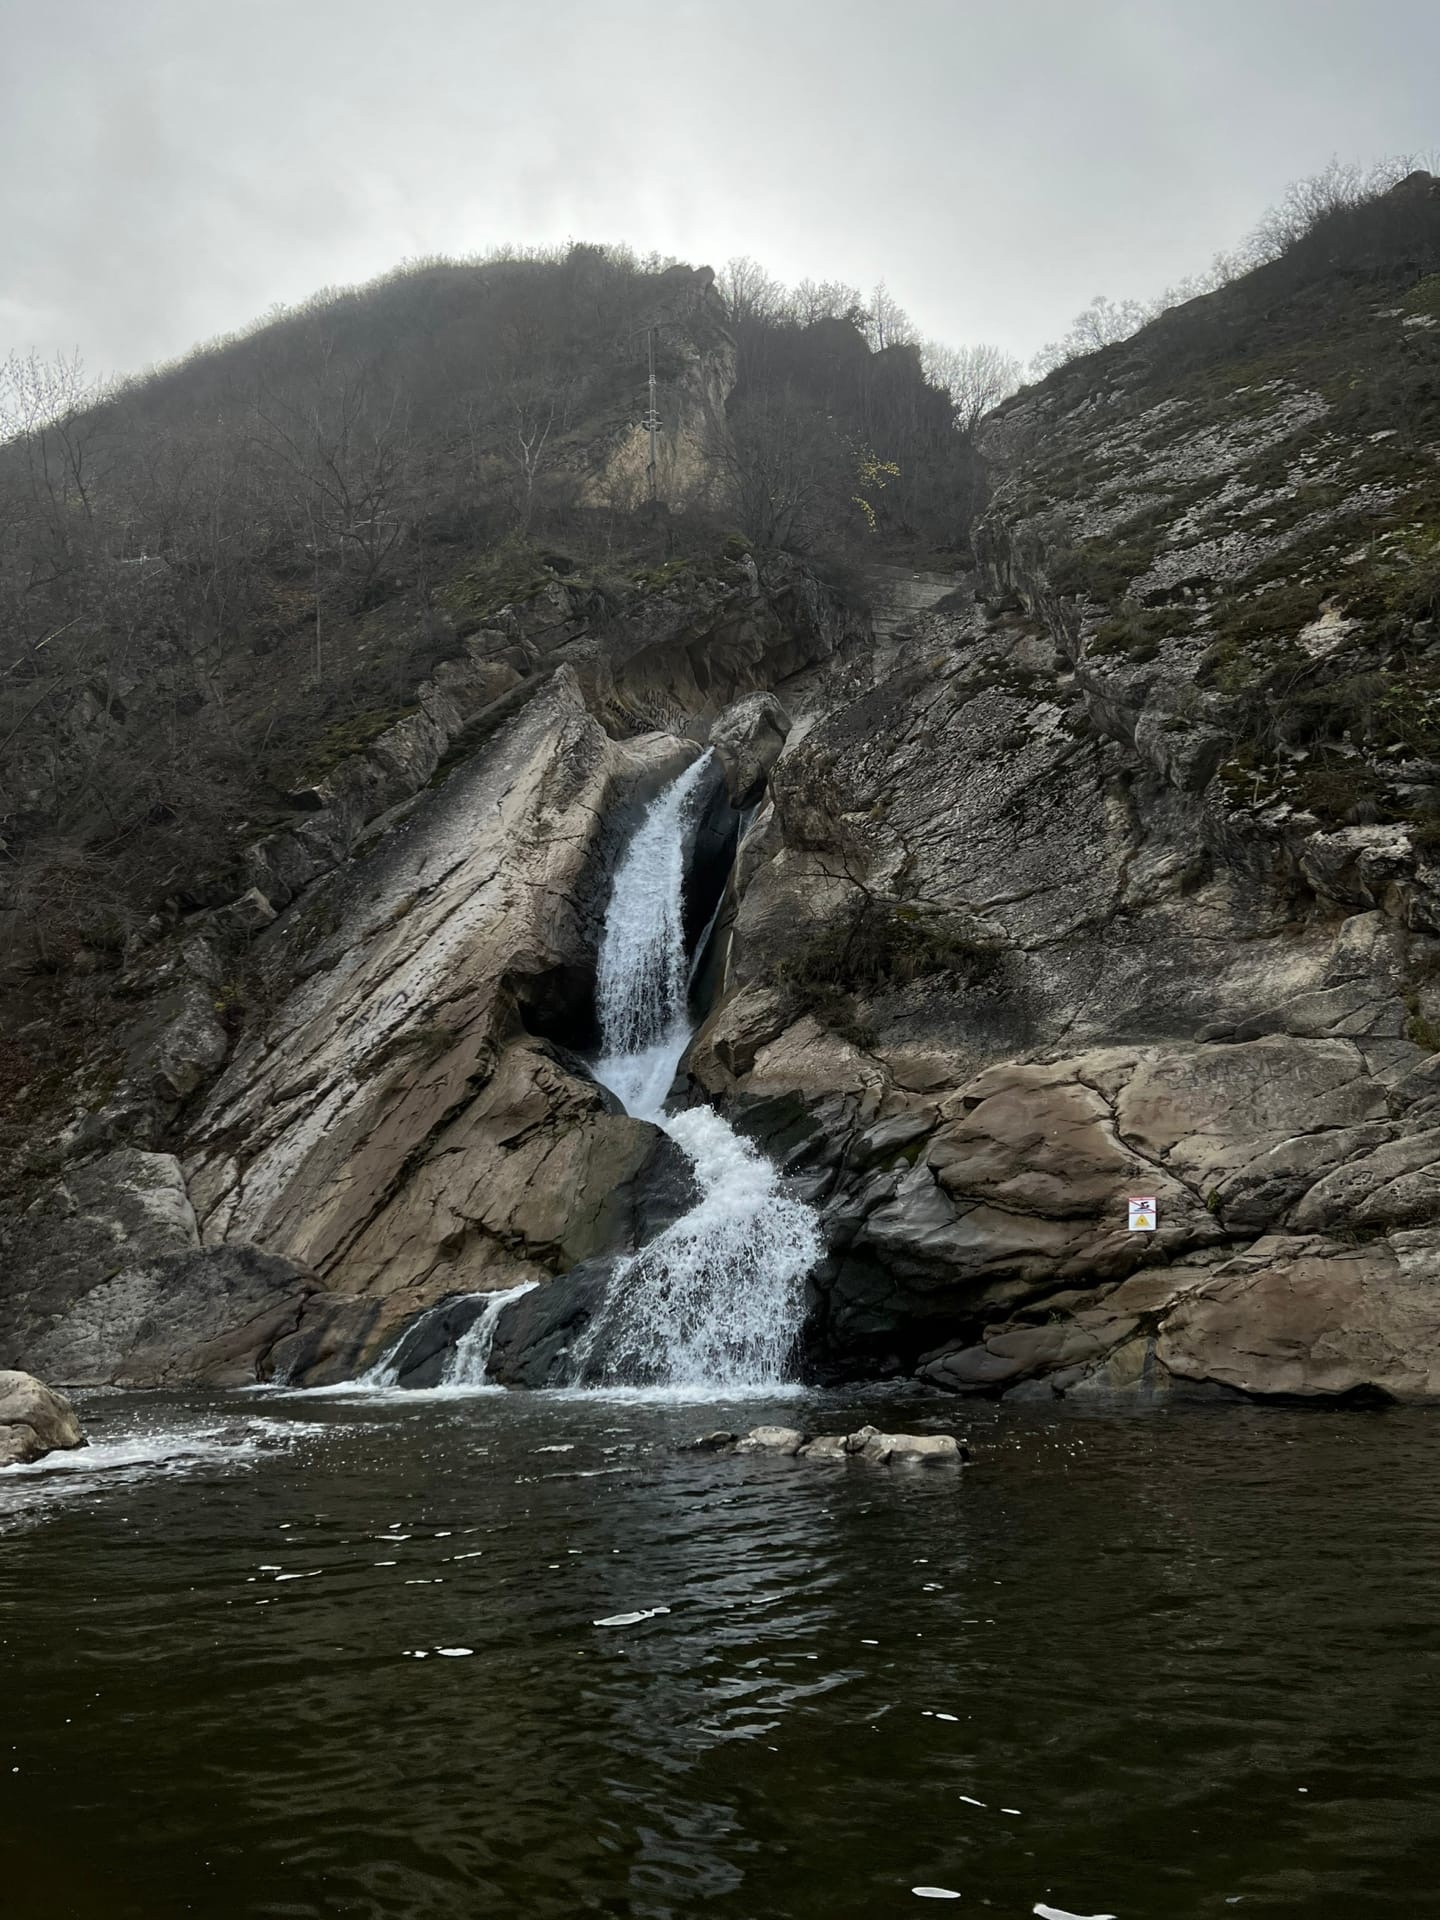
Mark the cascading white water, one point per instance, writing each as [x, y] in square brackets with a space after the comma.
[716, 1300]
[466, 1365]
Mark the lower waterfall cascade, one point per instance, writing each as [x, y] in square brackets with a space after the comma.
[466, 1364]
[717, 1299]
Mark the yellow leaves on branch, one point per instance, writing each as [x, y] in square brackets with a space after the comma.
[872, 473]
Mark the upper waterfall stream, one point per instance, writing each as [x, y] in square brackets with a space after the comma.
[716, 1300]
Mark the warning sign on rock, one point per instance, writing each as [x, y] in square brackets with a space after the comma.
[1142, 1215]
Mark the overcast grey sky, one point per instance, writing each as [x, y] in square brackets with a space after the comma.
[170, 169]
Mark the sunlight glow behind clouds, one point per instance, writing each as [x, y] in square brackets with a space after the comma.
[170, 169]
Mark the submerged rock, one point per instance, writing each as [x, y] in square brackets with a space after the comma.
[866, 1443]
[783, 1440]
[909, 1448]
[34, 1420]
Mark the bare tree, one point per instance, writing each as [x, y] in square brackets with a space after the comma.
[749, 292]
[1101, 324]
[344, 452]
[534, 420]
[976, 378]
[783, 470]
[816, 300]
[886, 322]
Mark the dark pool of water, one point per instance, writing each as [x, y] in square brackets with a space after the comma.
[1166, 1665]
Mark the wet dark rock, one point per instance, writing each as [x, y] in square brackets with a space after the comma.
[424, 1351]
[546, 1338]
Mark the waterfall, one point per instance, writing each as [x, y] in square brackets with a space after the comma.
[466, 1364]
[716, 1300]
[642, 981]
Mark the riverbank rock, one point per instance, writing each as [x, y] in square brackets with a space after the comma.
[866, 1443]
[906, 1449]
[34, 1420]
[782, 1440]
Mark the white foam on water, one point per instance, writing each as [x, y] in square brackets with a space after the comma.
[701, 1393]
[139, 1454]
[160, 1447]
[630, 1619]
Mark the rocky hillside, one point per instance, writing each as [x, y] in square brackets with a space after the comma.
[1106, 865]
[1124, 881]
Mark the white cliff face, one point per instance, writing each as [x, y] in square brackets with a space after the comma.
[389, 1126]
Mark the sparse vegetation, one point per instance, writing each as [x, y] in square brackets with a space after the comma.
[881, 944]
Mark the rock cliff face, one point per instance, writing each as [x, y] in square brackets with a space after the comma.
[694, 376]
[403, 1117]
[1105, 869]
[1118, 880]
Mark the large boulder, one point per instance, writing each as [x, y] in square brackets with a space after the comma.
[748, 739]
[106, 1283]
[207, 1316]
[34, 1420]
[100, 1219]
